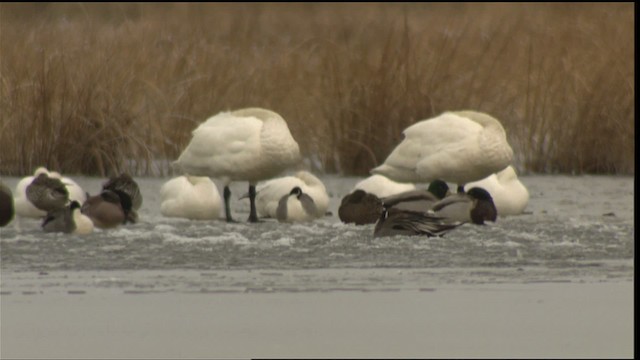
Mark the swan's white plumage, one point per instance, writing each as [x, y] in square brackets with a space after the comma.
[381, 186]
[190, 197]
[509, 194]
[244, 145]
[457, 147]
[270, 192]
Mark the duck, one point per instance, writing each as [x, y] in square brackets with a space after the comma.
[68, 220]
[76, 193]
[7, 209]
[474, 206]
[269, 193]
[394, 221]
[296, 206]
[418, 200]
[190, 197]
[108, 209]
[125, 183]
[251, 144]
[381, 186]
[457, 147]
[510, 196]
[47, 193]
[24, 208]
[360, 207]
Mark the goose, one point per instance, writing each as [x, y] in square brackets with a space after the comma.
[7, 209]
[509, 194]
[47, 193]
[418, 200]
[269, 193]
[360, 207]
[382, 186]
[475, 206]
[24, 208]
[394, 221]
[68, 220]
[296, 207]
[250, 145]
[125, 183]
[457, 147]
[108, 209]
[190, 197]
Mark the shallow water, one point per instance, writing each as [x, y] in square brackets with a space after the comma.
[574, 229]
[555, 282]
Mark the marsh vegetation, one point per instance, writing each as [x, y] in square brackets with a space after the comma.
[101, 88]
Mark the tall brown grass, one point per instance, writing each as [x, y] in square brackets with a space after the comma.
[103, 88]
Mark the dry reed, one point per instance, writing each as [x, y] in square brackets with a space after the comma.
[101, 88]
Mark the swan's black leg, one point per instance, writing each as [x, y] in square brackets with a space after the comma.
[460, 189]
[253, 215]
[227, 208]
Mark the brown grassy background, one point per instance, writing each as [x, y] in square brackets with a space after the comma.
[99, 88]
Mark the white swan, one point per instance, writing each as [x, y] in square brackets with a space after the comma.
[457, 147]
[269, 193]
[25, 208]
[190, 197]
[509, 195]
[381, 186]
[251, 145]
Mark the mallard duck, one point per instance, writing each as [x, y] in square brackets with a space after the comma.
[457, 147]
[108, 209]
[509, 194]
[24, 207]
[68, 220]
[125, 183]
[47, 193]
[394, 221]
[418, 200]
[475, 206]
[251, 145]
[360, 207]
[190, 197]
[7, 209]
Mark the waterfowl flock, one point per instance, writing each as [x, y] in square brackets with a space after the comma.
[467, 149]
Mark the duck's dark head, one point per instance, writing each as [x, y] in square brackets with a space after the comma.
[296, 191]
[74, 205]
[484, 209]
[439, 188]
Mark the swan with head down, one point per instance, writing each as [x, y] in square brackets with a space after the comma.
[269, 193]
[250, 145]
[457, 147]
[190, 197]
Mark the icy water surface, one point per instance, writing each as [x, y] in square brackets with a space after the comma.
[575, 229]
